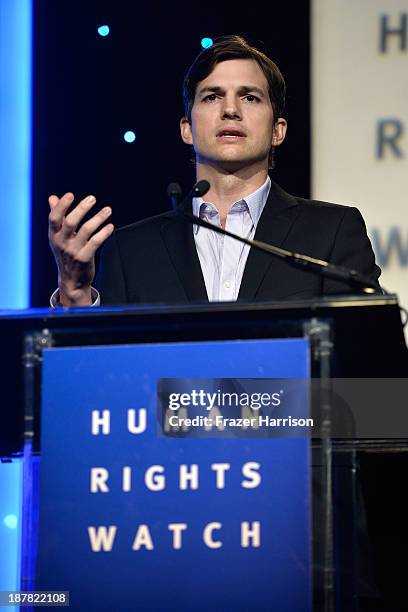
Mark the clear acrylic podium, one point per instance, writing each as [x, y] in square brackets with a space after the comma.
[350, 338]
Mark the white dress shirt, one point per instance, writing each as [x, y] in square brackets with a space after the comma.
[222, 258]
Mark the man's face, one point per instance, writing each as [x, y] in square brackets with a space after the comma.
[232, 117]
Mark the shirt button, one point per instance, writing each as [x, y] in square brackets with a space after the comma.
[227, 284]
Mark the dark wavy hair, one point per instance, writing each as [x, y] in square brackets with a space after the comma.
[228, 48]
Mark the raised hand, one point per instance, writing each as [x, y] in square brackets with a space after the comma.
[74, 251]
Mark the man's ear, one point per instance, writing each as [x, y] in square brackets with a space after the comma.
[185, 131]
[279, 132]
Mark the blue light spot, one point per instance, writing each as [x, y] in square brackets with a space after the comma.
[103, 30]
[129, 136]
[10, 521]
[206, 42]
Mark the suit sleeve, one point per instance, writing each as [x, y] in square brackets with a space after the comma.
[352, 249]
[110, 279]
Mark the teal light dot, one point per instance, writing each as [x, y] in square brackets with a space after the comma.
[10, 521]
[129, 136]
[103, 30]
[206, 42]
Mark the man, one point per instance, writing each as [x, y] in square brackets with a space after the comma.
[234, 99]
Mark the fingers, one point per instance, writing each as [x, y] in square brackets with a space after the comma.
[53, 201]
[79, 246]
[59, 207]
[92, 225]
[72, 220]
[93, 244]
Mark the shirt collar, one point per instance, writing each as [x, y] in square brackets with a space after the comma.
[255, 203]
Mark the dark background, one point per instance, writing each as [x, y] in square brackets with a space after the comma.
[88, 90]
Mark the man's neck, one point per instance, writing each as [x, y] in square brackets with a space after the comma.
[229, 187]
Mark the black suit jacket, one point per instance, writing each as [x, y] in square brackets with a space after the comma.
[155, 260]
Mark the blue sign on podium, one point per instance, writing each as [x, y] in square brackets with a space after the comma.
[132, 519]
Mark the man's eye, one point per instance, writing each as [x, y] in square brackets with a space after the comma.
[252, 98]
[210, 98]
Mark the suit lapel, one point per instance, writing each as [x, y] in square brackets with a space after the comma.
[274, 224]
[179, 240]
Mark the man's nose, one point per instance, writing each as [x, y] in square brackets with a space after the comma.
[231, 108]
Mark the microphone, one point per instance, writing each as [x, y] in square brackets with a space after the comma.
[197, 191]
[352, 278]
[174, 193]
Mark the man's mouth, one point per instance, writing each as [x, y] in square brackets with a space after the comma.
[230, 134]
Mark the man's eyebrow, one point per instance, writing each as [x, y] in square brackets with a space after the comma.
[241, 89]
[252, 88]
[212, 89]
